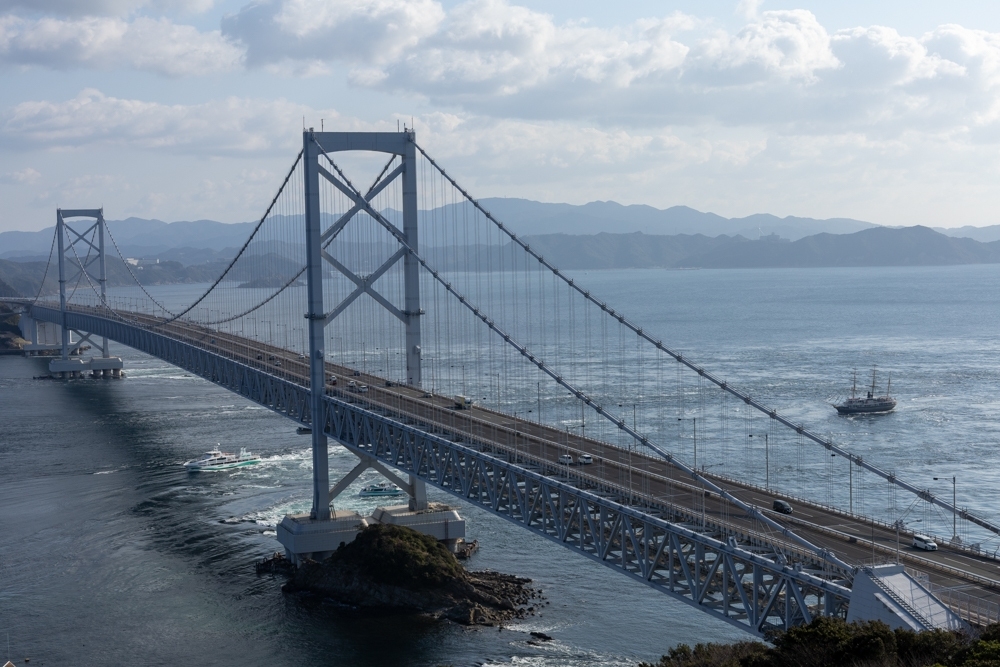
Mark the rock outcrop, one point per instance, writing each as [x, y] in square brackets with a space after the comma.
[394, 567]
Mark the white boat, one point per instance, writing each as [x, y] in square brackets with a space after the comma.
[380, 489]
[219, 460]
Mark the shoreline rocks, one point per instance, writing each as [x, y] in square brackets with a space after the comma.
[396, 568]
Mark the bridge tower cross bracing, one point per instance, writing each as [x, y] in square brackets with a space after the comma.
[325, 529]
[92, 239]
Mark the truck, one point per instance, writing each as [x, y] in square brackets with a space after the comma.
[462, 402]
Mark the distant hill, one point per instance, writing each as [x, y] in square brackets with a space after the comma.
[195, 242]
[8, 291]
[187, 242]
[982, 234]
[880, 246]
[525, 216]
[201, 241]
[618, 251]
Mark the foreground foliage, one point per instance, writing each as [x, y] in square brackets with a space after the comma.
[830, 642]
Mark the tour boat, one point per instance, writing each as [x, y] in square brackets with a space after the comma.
[219, 460]
[871, 404]
[380, 489]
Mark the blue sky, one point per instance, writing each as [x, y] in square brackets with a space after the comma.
[188, 109]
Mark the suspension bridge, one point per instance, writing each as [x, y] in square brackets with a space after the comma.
[409, 325]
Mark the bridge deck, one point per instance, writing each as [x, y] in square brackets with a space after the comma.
[651, 482]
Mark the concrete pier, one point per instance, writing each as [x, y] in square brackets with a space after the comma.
[316, 539]
[438, 520]
[78, 367]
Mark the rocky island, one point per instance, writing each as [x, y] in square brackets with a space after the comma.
[397, 568]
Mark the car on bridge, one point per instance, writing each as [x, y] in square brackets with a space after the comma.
[585, 459]
[782, 506]
[565, 459]
[924, 542]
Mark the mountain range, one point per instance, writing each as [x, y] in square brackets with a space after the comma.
[200, 241]
[199, 251]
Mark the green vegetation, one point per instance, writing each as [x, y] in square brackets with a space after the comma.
[399, 556]
[832, 643]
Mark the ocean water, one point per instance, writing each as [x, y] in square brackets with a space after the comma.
[111, 553]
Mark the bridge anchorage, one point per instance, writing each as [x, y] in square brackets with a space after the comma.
[432, 357]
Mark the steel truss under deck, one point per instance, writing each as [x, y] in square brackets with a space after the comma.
[719, 576]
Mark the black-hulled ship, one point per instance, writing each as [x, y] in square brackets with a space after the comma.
[870, 404]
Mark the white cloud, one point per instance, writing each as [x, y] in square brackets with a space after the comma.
[782, 69]
[26, 176]
[489, 48]
[230, 126]
[780, 44]
[155, 45]
[353, 31]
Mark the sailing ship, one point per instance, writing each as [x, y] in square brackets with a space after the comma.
[870, 404]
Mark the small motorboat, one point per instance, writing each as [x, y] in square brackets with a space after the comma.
[380, 489]
[216, 459]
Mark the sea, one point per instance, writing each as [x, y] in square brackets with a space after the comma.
[111, 553]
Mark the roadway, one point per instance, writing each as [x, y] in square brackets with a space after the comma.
[634, 476]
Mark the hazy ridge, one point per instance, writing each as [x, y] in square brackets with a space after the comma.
[571, 237]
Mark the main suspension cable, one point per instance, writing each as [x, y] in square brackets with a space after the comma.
[827, 443]
[751, 510]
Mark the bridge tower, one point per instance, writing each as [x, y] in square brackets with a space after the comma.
[79, 249]
[322, 531]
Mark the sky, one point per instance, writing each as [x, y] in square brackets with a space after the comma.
[193, 109]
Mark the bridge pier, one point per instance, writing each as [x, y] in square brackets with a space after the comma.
[305, 536]
[75, 367]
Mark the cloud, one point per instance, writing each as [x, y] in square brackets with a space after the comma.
[779, 45]
[90, 187]
[155, 45]
[104, 7]
[27, 176]
[311, 31]
[230, 126]
[748, 8]
[781, 70]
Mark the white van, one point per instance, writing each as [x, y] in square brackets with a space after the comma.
[924, 542]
